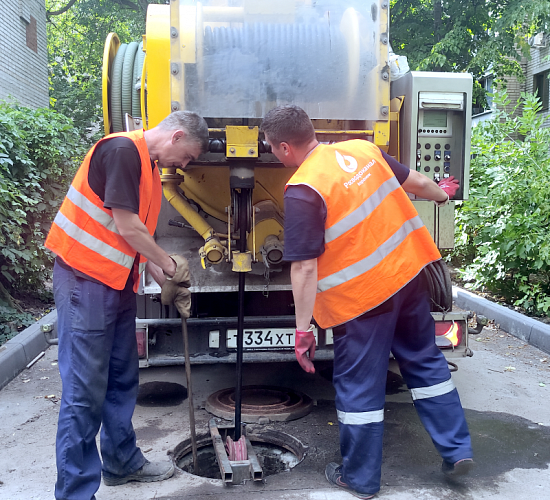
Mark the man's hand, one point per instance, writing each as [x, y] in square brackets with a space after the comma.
[304, 344]
[181, 275]
[450, 185]
[175, 290]
[180, 296]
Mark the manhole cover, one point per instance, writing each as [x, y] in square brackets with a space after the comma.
[260, 404]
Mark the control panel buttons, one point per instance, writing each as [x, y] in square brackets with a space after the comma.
[446, 175]
[427, 145]
[427, 157]
[437, 169]
[447, 156]
[437, 178]
[447, 146]
[437, 146]
[426, 169]
[437, 155]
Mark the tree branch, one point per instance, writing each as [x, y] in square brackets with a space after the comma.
[127, 3]
[61, 11]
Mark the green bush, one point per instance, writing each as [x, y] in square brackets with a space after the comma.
[39, 152]
[503, 230]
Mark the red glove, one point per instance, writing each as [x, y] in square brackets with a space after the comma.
[304, 343]
[450, 185]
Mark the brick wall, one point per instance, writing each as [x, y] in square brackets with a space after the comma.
[23, 52]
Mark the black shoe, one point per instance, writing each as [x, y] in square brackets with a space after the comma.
[333, 473]
[150, 472]
[460, 468]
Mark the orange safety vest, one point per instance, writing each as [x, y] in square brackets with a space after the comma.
[84, 233]
[375, 241]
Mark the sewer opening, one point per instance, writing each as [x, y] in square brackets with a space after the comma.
[276, 451]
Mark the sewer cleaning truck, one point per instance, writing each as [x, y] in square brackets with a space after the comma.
[231, 61]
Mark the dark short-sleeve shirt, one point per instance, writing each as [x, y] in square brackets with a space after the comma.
[306, 214]
[115, 173]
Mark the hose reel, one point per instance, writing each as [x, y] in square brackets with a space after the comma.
[122, 85]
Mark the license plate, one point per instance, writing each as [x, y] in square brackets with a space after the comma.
[264, 338]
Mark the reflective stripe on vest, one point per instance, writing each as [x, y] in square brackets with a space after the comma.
[357, 216]
[360, 418]
[372, 260]
[93, 243]
[92, 210]
[375, 241]
[433, 390]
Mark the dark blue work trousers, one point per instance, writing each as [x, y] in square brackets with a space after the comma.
[405, 327]
[98, 363]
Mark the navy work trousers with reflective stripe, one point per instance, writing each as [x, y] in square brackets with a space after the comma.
[98, 363]
[361, 357]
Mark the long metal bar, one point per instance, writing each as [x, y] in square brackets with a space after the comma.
[242, 202]
[190, 395]
[221, 455]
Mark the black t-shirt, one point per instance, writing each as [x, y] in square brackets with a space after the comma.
[115, 173]
[306, 214]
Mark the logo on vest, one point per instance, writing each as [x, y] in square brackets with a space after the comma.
[346, 163]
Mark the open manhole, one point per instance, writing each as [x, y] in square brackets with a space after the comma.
[276, 452]
[260, 404]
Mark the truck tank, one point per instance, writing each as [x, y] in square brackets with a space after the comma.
[231, 61]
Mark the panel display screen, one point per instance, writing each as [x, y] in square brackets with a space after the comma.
[435, 119]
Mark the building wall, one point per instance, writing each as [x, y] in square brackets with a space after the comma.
[538, 64]
[23, 52]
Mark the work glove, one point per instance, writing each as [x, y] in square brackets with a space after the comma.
[304, 344]
[176, 289]
[181, 276]
[450, 185]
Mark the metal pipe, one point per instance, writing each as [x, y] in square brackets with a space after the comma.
[242, 202]
[190, 395]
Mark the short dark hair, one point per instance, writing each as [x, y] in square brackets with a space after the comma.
[289, 124]
[192, 124]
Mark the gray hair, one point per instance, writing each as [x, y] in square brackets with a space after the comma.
[289, 124]
[192, 124]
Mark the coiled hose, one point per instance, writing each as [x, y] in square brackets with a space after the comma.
[440, 286]
[126, 84]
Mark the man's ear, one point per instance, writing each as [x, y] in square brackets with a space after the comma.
[286, 148]
[178, 135]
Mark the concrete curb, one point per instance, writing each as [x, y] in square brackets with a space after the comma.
[530, 330]
[18, 352]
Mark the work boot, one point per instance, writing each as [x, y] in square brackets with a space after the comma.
[150, 472]
[333, 473]
[460, 468]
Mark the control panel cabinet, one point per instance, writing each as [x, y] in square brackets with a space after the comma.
[436, 125]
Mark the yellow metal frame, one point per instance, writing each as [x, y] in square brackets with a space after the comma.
[158, 63]
[112, 43]
[242, 141]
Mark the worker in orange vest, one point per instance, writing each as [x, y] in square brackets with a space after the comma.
[357, 247]
[103, 239]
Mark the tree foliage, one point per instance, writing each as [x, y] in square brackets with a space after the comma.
[76, 37]
[466, 35]
[503, 230]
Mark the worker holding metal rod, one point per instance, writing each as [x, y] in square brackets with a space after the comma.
[103, 239]
[358, 248]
